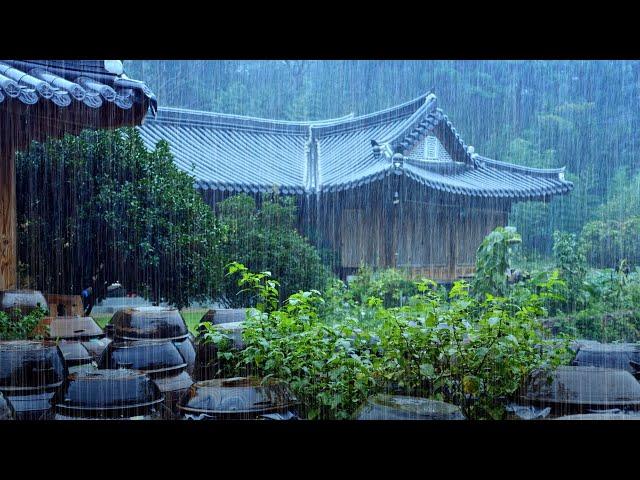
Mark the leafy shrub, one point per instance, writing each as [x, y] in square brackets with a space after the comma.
[16, 326]
[493, 259]
[609, 242]
[474, 353]
[388, 284]
[598, 323]
[570, 260]
[265, 238]
[611, 310]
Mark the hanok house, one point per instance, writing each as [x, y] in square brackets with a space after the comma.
[41, 99]
[395, 188]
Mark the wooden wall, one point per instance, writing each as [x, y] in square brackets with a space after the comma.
[8, 233]
[425, 233]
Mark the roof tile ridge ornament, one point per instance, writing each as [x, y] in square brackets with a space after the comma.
[403, 110]
[75, 90]
[105, 91]
[9, 86]
[192, 117]
[380, 149]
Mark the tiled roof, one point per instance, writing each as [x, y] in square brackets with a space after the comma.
[90, 83]
[235, 153]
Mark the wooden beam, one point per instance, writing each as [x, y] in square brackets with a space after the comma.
[8, 233]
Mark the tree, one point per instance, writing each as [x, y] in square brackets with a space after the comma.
[265, 239]
[100, 208]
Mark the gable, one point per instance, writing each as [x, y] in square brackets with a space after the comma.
[429, 149]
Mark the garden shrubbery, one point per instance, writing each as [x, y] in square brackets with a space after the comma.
[473, 346]
[266, 239]
[608, 242]
[450, 346]
[16, 326]
[597, 304]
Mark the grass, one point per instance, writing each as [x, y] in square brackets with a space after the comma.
[191, 317]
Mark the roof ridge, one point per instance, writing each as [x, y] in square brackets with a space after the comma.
[408, 108]
[233, 116]
[185, 116]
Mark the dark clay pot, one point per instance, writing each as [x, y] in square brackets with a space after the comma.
[24, 300]
[240, 398]
[109, 394]
[31, 373]
[160, 360]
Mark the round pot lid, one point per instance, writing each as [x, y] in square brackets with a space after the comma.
[609, 355]
[101, 390]
[600, 416]
[29, 364]
[399, 407]
[149, 323]
[151, 357]
[575, 345]
[37, 401]
[584, 386]
[73, 328]
[24, 300]
[174, 383]
[237, 395]
[96, 346]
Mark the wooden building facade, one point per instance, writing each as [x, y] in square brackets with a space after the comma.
[395, 188]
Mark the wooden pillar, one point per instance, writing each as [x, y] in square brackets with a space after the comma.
[8, 233]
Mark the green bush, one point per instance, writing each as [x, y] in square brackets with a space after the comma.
[388, 284]
[16, 326]
[99, 208]
[601, 324]
[570, 260]
[493, 260]
[266, 238]
[612, 241]
[474, 353]
[610, 311]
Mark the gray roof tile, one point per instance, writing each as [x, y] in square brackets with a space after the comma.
[63, 82]
[235, 153]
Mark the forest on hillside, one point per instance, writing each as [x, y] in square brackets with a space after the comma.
[577, 114]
